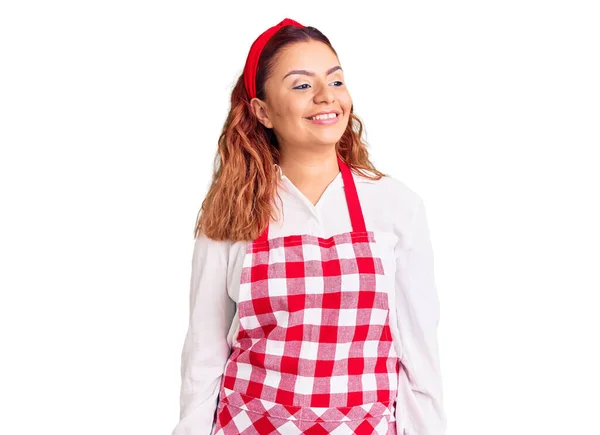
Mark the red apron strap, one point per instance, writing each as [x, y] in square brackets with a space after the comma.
[354, 208]
[264, 236]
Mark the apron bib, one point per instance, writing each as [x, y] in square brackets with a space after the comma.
[314, 351]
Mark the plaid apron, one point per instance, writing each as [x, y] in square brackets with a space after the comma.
[314, 351]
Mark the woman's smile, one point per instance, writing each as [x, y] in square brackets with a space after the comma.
[328, 119]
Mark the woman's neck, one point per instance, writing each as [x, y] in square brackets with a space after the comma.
[311, 175]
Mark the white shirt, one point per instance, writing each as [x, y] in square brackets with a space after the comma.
[396, 215]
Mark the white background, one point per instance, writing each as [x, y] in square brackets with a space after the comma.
[109, 118]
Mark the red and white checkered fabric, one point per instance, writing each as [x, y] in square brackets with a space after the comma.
[242, 414]
[314, 352]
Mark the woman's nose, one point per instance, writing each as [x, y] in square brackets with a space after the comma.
[324, 94]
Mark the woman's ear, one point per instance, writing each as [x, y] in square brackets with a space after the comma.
[259, 108]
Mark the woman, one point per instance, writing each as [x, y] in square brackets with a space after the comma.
[313, 307]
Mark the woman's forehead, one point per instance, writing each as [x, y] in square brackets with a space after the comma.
[311, 56]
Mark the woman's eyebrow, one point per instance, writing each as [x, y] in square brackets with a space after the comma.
[310, 73]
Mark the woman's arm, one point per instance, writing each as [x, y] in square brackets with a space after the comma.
[420, 390]
[205, 350]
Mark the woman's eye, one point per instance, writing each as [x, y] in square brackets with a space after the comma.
[306, 84]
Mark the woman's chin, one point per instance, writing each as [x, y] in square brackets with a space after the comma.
[328, 137]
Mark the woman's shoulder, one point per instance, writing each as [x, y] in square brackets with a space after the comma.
[204, 246]
[393, 191]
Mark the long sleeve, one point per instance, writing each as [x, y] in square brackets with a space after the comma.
[205, 349]
[420, 390]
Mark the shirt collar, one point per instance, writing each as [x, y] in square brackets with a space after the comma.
[337, 181]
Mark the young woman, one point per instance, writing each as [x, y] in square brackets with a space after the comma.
[313, 306]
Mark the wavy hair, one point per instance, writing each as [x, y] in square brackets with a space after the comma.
[239, 203]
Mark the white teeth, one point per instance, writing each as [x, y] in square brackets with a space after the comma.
[326, 116]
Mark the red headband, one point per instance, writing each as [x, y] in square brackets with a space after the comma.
[255, 51]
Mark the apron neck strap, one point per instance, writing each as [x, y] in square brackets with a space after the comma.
[354, 208]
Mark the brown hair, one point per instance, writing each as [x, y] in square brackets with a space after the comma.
[238, 205]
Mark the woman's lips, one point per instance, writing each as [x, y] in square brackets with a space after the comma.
[327, 121]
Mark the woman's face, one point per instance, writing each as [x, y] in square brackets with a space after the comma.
[307, 80]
